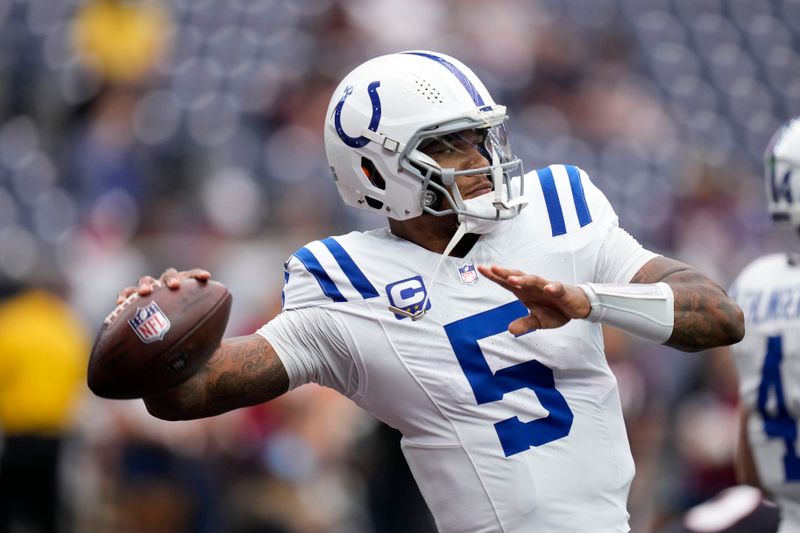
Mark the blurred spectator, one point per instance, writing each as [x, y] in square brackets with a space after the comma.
[120, 40]
[43, 356]
[104, 159]
[706, 430]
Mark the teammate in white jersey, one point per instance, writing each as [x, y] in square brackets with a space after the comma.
[768, 359]
[509, 413]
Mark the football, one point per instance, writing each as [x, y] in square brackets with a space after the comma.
[150, 344]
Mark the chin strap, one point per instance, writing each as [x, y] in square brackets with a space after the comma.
[460, 232]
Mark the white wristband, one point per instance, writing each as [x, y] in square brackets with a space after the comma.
[646, 310]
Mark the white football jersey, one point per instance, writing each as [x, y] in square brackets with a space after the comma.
[502, 433]
[768, 362]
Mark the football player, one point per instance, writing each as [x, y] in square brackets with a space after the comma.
[510, 416]
[768, 359]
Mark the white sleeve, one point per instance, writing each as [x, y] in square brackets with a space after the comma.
[312, 349]
[620, 257]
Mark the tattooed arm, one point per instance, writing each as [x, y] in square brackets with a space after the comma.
[243, 371]
[704, 315]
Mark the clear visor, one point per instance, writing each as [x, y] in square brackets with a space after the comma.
[490, 142]
[461, 143]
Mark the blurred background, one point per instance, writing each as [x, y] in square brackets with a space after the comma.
[136, 135]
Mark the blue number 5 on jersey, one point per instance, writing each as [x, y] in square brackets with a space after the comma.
[515, 436]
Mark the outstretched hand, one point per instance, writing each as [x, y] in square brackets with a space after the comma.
[551, 304]
[171, 278]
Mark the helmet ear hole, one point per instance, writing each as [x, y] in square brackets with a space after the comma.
[372, 174]
[373, 203]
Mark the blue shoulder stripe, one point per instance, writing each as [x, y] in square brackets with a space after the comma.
[551, 201]
[584, 217]
[285, 281]
[350, 269]
[325, 282]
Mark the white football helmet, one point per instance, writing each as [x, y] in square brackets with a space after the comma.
[386, 108]
[782, 174]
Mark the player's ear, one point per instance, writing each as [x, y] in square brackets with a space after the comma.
[372, 174]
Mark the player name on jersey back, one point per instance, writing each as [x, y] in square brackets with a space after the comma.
[770, 305]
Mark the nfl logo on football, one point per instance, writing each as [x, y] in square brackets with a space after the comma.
[468, 274]
[150, 323]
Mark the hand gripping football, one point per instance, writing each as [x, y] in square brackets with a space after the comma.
[150, 344]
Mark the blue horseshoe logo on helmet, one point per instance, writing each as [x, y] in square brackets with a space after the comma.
[360, 141]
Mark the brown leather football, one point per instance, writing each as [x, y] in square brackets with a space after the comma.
[151, 344]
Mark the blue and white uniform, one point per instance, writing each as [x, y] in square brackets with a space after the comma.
[768, 363]
[502, 433]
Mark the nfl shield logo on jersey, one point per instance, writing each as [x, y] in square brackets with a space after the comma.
[150, 323]
[468, 274]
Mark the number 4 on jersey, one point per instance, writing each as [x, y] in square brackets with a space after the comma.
[778, 423]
